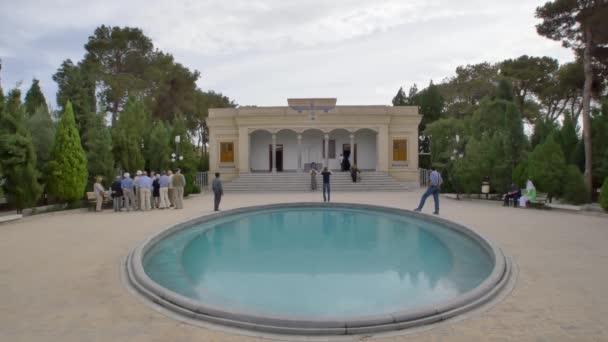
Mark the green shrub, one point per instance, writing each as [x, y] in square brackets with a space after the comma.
[520, 174]
[604, 195]
[196, 189]
[574, 190]
[546, 167]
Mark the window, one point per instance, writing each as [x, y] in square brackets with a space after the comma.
[227, 152]
[332, 149]
[400, 150]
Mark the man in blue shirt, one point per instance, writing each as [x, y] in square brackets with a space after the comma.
[164, 191]
[435, 182]
[326, 173]
[145, 187]
[127, 191]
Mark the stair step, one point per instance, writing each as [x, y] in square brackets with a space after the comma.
[300, 182]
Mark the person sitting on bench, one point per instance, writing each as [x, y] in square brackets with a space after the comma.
[514, 194]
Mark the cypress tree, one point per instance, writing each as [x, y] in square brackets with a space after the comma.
[97, 142]
[68, 165]
[17, 156]
[42, 130]
[34, 99]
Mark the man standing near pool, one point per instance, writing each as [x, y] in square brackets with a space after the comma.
[218, 191]
[326, 173]
[435, 182]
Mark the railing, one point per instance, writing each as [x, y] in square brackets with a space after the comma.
[424, 176]
[202, 180]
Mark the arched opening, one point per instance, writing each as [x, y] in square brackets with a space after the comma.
[286, 154]
[339, 148]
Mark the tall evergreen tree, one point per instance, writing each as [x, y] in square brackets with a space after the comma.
[400, 99]
[431, 105]
[17, 156]
[121, 57]
[76, 84]
[568, 139]
[98, 146]
[128, 136]
[42, 130]
[34, 99]
[68, 165]
[529, 76]
[158, 147]
[581, 25]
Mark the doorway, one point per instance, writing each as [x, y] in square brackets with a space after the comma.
[278, 157]
[346, 153]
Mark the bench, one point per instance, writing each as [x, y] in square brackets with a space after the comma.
[539, 202]
[92, 202]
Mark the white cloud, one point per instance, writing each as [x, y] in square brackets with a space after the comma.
[263, 51]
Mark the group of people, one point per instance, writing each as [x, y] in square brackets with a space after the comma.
[518, 197]
[355, 175]
[515, 194]
[143, 192]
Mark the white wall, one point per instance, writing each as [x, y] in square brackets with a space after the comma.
[312, 147]
[366, 149]
[289, 140]
[258, 158]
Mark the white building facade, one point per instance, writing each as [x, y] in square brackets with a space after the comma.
[291, 138]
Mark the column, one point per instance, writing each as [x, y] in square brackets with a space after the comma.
[299, 152]
[382, 145]
[352, 149]
[243, 150]
[274, 153]
[326, 137]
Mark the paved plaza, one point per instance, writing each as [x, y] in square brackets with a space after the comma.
[60, 274]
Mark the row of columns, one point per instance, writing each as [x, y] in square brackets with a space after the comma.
[326, 146]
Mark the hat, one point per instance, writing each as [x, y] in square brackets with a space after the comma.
[138, 173]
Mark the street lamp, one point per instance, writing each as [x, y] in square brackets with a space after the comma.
[175, 155]
[456, 155]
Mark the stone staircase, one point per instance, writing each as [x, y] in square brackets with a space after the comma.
[300, 182]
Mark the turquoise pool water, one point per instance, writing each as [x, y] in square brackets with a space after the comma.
[318, 262]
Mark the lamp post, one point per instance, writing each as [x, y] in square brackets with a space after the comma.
[175, 155]
[456, 155]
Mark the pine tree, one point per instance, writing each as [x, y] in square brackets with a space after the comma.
[34, 99]
[68, 165]
[581, 25]
[98, 145]
[17, 156]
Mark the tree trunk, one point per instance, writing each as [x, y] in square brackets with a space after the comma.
[587, 108]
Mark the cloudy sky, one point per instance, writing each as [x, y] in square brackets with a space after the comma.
[260, 52]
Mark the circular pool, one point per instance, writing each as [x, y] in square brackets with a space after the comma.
[309, 268]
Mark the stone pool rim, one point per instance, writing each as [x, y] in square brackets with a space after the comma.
[488, 289]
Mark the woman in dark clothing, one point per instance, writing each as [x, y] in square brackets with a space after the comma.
[116, 193]
[353, 173]
[156, 191]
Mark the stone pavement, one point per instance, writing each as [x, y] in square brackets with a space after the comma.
[60, 274]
